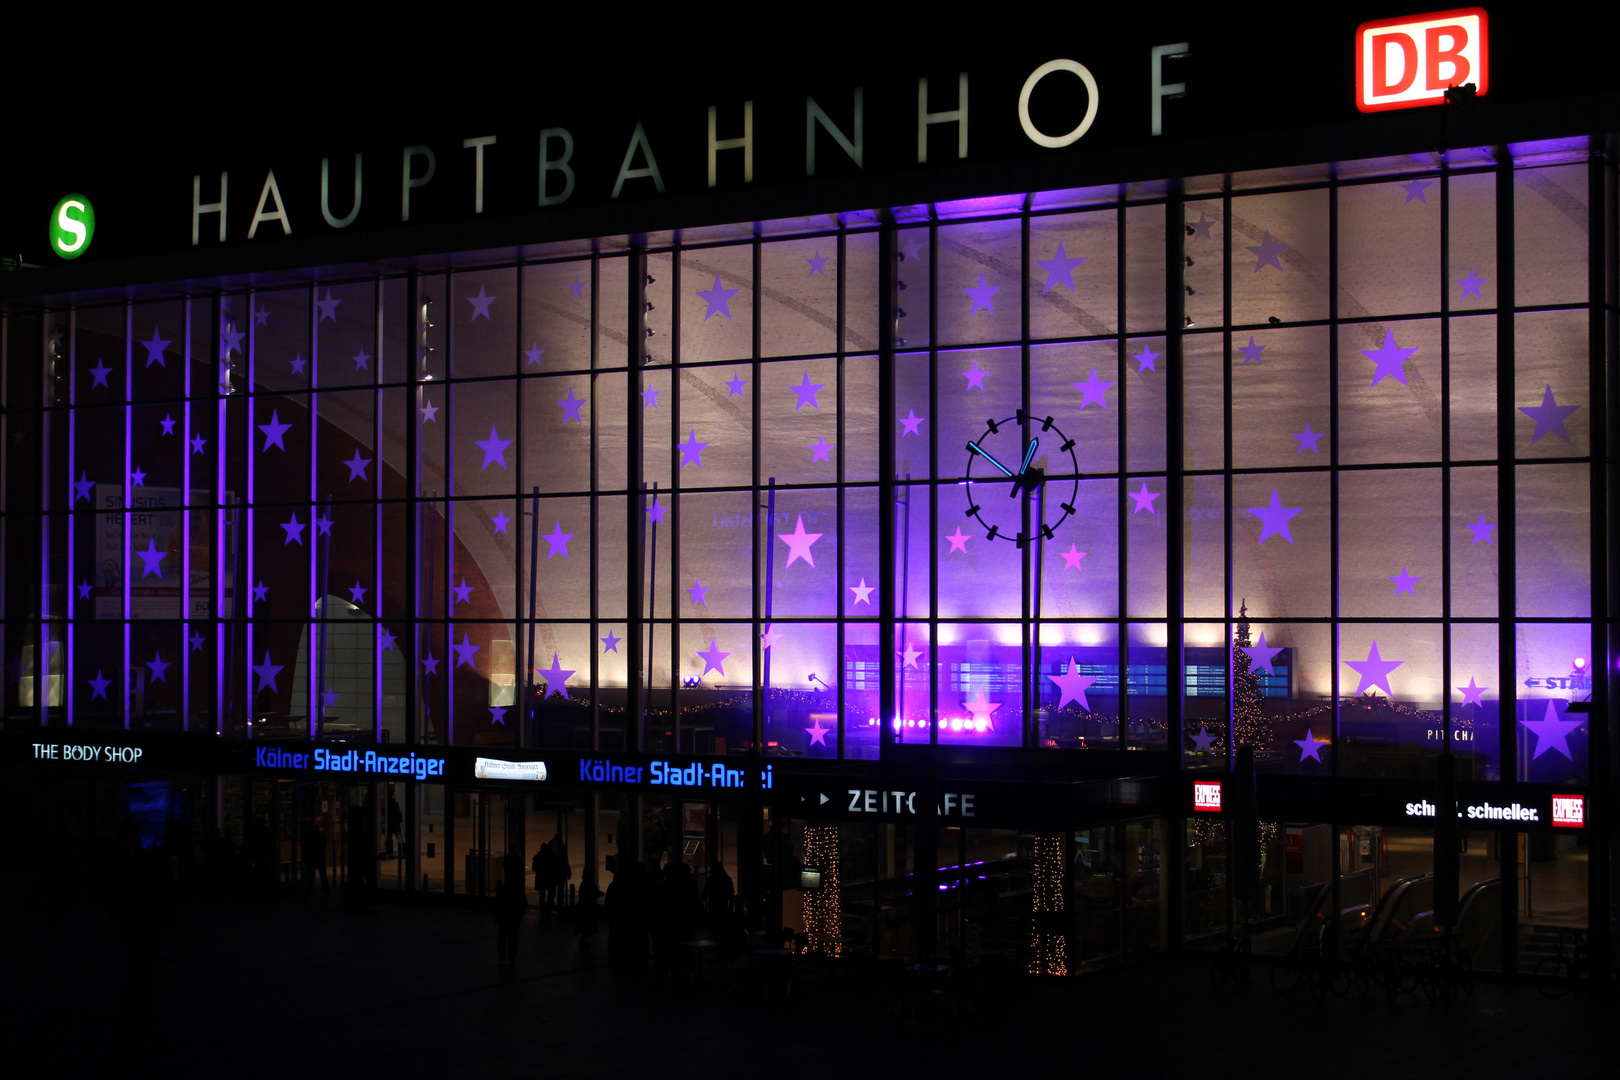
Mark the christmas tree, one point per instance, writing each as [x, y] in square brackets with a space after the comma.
[1249, 726]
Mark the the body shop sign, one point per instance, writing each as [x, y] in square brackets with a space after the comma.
[1413, 60]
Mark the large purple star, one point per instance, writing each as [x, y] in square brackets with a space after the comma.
[556, 677]
[913, 423]
[327, 308]
[1390, 358]
[983, 296]
[465, 651]
[154, 349]
[274, 430]
[558, 541]
[494, 448]
[818, 733]
[497, 714]
[1405, 582]
[1261, 656]
[975, 376]
[98, 686]
[534, 352]
[295, 531]
[1251, 352]
[1374, 670]
[1481, 530]
[1094, 391]
[1144, 499]
[1551, 733]
[1072, 686]
[1268, 253]
[500, 521]
[735, 385]
[230, 339]
[1308, 439]
[82, 487]
[807, 393]
[1145, 358]
[718, 298]
[1549, 417]
[1274, 518]
[817, 262]
[1473, 693]
[267, 673]
[430, 663]
[611, 642]
[357, 593]
[1203, 740]
[649, 397]
[197, 443]
[1310, 747]
[571, 406]
[480, 304]
[692, 450]
[357, 466]
[1414, 190]
[1471, 283]
[152, 559]
[1059, 270]
[713, 659]
[799, 543]
[699, 591]
[820, 449]
[158, 666]
[99, 373]
[463, 592]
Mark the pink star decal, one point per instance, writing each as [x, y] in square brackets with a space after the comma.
[818, 734]
[863, 593]
[913, 423]
[768, 638]
[713, 660]
[1072, 557]
[958, 541]
[981, 709]
[1144, 499]
[910, 656]
[1073, 686]
[799, 542]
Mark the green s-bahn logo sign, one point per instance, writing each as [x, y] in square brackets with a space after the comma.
[73, 225]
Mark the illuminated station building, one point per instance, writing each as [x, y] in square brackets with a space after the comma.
[1033, 509]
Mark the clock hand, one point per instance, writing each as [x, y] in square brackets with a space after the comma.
[1029, 455]
[977, 449]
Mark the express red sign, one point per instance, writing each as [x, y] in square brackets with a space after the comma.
[1207, 795]
[1413, 60]
[1569, 811]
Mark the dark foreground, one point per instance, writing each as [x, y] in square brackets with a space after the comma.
[255, 986]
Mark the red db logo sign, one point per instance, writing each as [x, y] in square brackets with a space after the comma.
[1411, 61]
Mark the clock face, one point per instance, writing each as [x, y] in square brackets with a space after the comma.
[1001, 462]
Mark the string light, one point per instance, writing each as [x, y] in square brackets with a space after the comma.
[1051, 947]
[823, 907]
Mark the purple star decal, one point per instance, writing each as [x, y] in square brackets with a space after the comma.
[261, 316]
[1551, 733]
[1200, 228]
[1268, 253]
[1310, 747]
[1203, 740]
[137, 478]
[84, 589]
[1059, 270]
[1405, 582]
[975, 376]
[1145, 358]
[298, 363]
[152, 559]
[98, 375]
[329, 698]
[817, 263]
[1308, 439]
[958, 541]
[1472, 693]
[267, 673]
[500, 521]
[534, 352]
[911, 250]
[82, 487]
[820, 449]
[497, 715]
[295, 531]
[1481, 531]
[799, 543]
[429, 411]
[913, 423]
[558, 541]
[195, 641]
[463, 592]
[576, 288]
[327, 308]
[714, 659]
[430, 663]
[692, 450]
[98, 686]
[1094, 391]
[273, 431]
[480, 304]
[362, 360]
[357, 466]
[158, 666]
[718, 297]
[494, 448]
[154, 349]
[818, 734]
[385, 640]
[1470, 284]
[1549, 417]
[357, 593]
[1144, 499]
[649, 397]
[735, 385]
[807, 393]
[1374, 670]
[700, 592]
[1261, 656]
[1251, 352]
[863, 593]
[1390, 358]
[571, 406]
[611, 643]
[1072, 686]
[1072, 557]
[197, 443]
[983, 296]
[167, 423]
[230, 340]
[465, 651]
[1274, 518]
[1414, 190]
[556, 677]
[655, 513]
[260, 591]
[323, 524]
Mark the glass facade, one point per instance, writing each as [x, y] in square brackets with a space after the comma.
[1301, 462]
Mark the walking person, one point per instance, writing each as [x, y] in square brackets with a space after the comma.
[314, 851]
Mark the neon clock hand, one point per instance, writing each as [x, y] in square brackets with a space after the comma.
[1029, 455]
[977, 449]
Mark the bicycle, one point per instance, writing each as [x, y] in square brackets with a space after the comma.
[1558, 974]
[1234, 958]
